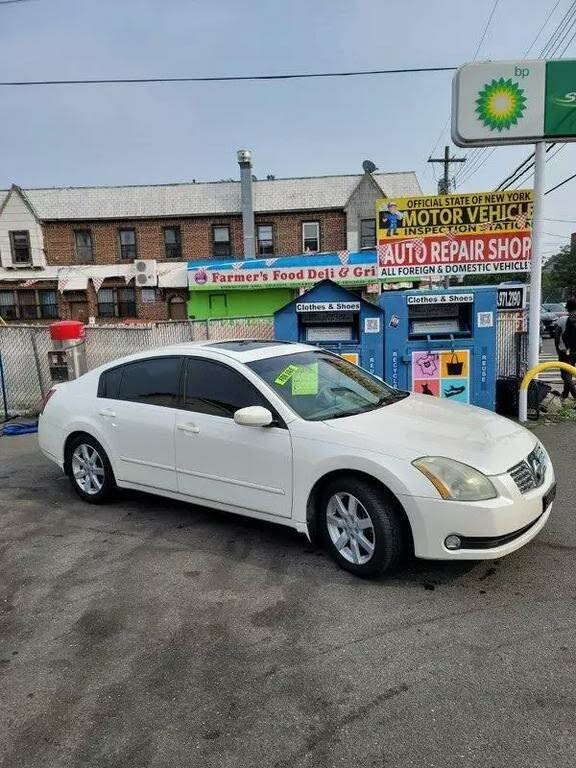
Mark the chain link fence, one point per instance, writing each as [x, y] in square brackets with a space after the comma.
[24, 349]
[24, 373]
[512, 344]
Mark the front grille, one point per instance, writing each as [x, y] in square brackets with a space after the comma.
[530, 473]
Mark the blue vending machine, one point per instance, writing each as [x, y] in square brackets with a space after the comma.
[338, 320]
[442, 343]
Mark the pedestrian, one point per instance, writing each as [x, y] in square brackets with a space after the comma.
[565, 341]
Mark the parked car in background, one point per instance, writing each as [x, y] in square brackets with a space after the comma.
[549, 314]
[296, 435]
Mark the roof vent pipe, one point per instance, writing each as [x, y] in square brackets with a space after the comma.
[245, 163]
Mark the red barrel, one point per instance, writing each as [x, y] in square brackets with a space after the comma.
[67, 330]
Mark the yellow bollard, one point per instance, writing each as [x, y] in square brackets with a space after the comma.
[523, 404]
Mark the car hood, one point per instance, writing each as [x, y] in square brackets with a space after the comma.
[420, 425]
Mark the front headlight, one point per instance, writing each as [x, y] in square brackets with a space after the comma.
[455, 481]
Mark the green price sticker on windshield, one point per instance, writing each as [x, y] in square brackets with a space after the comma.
[305, 380]
[286, 375]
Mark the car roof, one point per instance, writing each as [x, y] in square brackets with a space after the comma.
[242, 350]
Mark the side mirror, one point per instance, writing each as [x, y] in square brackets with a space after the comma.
[253, 416]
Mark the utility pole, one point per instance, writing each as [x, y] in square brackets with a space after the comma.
[444, 182]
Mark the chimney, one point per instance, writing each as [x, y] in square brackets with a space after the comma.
[245, 163]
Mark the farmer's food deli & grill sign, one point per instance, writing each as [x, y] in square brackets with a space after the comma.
[475, 233]
[344, 267]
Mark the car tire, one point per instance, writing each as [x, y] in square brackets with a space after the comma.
[89, 470]
[372, 538]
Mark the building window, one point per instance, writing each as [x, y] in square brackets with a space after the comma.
[127, 244]
[265, 240]
[20, 243]
[310, 236]
[48, 304]
[368, 233]
[221, 247]
[83, 243]
[8, 310]
[173, 242]
[116, 302]
[27, 305]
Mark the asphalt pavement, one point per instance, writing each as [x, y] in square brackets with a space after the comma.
[153, 634]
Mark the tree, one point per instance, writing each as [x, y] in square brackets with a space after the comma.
[559, 275]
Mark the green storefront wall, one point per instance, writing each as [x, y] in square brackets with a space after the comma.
[203, 305]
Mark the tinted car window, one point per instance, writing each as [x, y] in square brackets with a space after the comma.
[155, 381]
[217, 390]
[109, 384]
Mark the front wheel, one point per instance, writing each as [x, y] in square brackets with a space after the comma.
[89, 470]
[361, 527]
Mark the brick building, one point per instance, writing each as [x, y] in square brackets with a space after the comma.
[70, 252]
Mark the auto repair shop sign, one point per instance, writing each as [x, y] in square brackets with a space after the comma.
[344, 267]
[459, 234]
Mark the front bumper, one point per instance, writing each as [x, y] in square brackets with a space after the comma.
[487, 529]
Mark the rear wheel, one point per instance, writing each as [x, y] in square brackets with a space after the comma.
[89, 470]
[361, 527]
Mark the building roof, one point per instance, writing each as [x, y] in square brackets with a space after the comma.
[208, 198]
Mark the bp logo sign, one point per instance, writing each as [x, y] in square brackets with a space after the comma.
[500, 104]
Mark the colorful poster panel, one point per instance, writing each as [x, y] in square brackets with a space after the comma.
[444, 374]
[455, 389]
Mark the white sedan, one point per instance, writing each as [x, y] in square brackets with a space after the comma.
[296, 435]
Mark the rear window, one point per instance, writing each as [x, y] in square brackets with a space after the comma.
[109, 384]
[155, 381]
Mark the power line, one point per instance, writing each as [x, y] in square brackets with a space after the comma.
[560, 148]
[548, 17]
[553, 42]
[551, 47]
[482, 38]
[563, 221]
[561, 184]
[477, 162]
[486, 27]
[226, 78]
[510, 179]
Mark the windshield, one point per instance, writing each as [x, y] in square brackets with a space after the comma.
[318, 385]
[554, 307]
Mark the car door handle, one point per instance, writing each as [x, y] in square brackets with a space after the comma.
[107, 413]
[189, 427]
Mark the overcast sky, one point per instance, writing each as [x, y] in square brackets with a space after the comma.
[133, 134]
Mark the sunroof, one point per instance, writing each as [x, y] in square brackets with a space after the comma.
[246, 345]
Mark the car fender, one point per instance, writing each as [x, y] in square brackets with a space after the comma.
[91, 426]
[397, 475]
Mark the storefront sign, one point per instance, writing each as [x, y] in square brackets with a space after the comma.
[286, 271]
[514, 102]
[442, 235]
[328, 306]
[444, 298]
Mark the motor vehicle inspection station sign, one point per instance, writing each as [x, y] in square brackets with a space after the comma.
[514, 102]
[458, 234]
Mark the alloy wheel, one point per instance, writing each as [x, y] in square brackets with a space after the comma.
[88, 469]
[350, 528]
